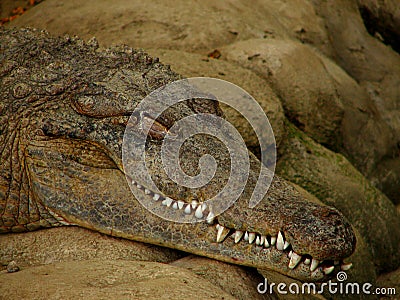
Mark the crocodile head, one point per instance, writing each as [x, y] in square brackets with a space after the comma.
[65, 110]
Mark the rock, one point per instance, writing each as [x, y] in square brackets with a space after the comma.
[333, 180]
[245, 279]
[107, 279]
[76, 244]
[12, 267]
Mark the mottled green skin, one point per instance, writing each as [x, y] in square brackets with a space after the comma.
[64, 109]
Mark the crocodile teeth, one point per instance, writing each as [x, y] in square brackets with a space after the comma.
[266, 244]
[210, 218]
[290, 254]
[147, 192]
[167, 202]
[203, 207]
[307, 261]
[180, 204]
[238, 236]
[286, 245]
[328, 270]
[280, 242]
[187, 209]
[199, 213]
[258, 240]
[156, 197]
[246, 236]
[262, 239]
[314, 264]
[138, 186]
[175, 205]
[346, 267]
[222, 233]
[252, 237]
[294, 260]
[273, 240]
[194, 204]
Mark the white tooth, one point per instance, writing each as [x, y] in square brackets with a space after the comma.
[314, 264]
[180, 204]
[138, 186]
[280, 242]
[133, 182]
[222, 233]
[175, 205]
[346, 267]
[210, 218]
[258, 240]
[294, 260]
[307, 261]
[328, 270]
[156, 197]
[198, 214]
[252, 237]
[203, 207]
[273, 240]
[194, 204]
[238, 236]
[246, 236]
[266, 244]
[290, 254]
[286, 245]
[147, 192]
[187, 209]
[262, 240]
[168, 201]
[217, 226]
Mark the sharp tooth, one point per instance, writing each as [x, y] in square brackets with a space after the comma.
[314, 264]
[175, 205]
[238, 236]
[217, 226]
[198, 214]
[252, 237]
[280, 242]
[222, 233]
[290, 254]
[328, 270]
[273, 240]
[246, 236]
[203, 207]
[346, 267]
[138, 186]
[266, 244]
[194, 204]
[187, 209]
[258, 240]
[286, 245]
[156, 197]
[180, 204]
[294, 260]
[133, 182]
[168, 201]
[147, 192]
[210, 218]
[307, 261]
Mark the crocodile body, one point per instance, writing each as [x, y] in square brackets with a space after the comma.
[63, 112]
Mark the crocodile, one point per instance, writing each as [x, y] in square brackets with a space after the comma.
[65, 105]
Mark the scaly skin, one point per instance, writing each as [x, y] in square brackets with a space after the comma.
[64, 108]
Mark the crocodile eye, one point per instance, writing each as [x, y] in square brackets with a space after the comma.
[154, 128]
